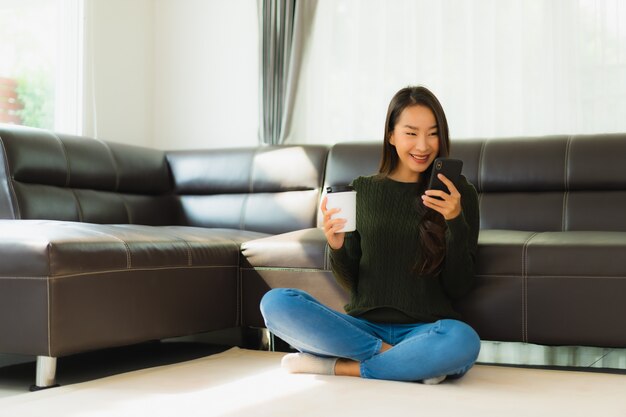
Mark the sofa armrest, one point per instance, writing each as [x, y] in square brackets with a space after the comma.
[301, 249]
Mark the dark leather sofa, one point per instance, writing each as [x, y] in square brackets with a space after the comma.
[104, 244]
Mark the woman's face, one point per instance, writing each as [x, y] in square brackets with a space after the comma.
[416, 140]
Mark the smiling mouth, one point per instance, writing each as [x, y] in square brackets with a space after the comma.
[420, 158]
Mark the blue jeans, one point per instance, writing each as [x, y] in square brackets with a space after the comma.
[420, 350]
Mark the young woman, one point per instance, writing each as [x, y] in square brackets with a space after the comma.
[411, 255]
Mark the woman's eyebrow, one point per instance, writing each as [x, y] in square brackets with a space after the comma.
[417, 128]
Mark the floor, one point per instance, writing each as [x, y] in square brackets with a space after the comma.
[240, 382]
[17, 378]
[18, 373]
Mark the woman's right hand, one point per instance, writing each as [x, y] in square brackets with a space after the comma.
[332, 226]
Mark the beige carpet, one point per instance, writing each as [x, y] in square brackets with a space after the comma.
[250, 383]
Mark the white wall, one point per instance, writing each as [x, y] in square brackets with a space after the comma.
[119, 70]
[206, 73]
[172, 74]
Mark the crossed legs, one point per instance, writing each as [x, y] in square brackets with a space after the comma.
[370, 350]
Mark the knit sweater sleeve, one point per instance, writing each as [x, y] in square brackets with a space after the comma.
[344, 261]
[458, 274]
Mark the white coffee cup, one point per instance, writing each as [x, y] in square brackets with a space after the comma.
[344, 198]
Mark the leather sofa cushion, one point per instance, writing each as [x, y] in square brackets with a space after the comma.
[349, 160]
[537, 287]
[296, 259]
[575, 280]
[551, 163]
[577, 254]
[300, 249]
[500, 251]
[63, 177]
[37, 201]
[531, 287]
[596, 162]
[72, 287]
[554, 183]
[522, 211]
[40, 157]
[273, 189]
[542, 166]
[594, 210]
[41, 248]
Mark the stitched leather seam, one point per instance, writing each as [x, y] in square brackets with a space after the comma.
[499, 275]
[239, 312]
[580, 276]
[78, 206]
[553, 276]
[567, 159]
[10, 179]
[128, 258]
[128, 255]
[49, 325]
[480, 164]
[287, 269]
[617, 277]
[242, 218]
[48, 297]
[525, 288]
[107, 271]
[564, 221]
[36, 278]
[128, 216]
[242, 213]
[68, 166]
[251, 176]
[188, 249]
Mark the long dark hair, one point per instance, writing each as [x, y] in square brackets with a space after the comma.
[432, 228]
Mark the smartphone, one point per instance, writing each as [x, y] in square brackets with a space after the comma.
[450, 168]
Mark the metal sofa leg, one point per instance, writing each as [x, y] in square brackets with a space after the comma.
[260, 338]
[267, 340]
[257, 338]
[46, 372]
[274, 343]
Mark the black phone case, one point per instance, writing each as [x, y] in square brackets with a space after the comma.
[449, 167]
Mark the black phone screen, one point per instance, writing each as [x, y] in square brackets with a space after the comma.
[450, 168]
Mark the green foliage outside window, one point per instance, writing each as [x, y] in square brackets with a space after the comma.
[35, 90]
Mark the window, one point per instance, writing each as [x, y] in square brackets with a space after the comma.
[500, 68]
[41, 64]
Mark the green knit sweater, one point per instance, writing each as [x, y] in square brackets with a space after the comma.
[377, 262]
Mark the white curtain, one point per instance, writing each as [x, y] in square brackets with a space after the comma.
[499, 67]
[283, 28]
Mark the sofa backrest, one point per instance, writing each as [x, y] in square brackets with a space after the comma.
[551, 183]
[62, 177]
[273, 189]
[51, 176]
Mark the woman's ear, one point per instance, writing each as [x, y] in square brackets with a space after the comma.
[392, 140]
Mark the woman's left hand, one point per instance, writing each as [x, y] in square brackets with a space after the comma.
[449, 205]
